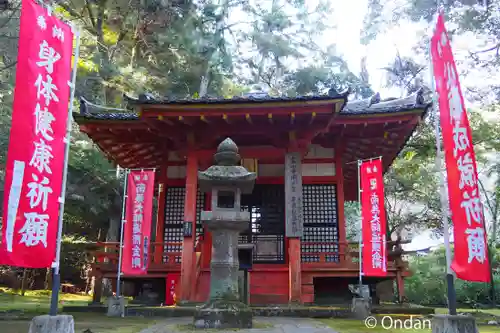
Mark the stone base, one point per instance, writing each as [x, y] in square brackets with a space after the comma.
[116, 306]
[52, 324]
[223, 315]
[454, 324]
[361, 308]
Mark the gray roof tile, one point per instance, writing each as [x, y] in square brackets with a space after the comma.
[372, 105]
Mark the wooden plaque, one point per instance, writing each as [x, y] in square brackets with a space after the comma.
[293, 196]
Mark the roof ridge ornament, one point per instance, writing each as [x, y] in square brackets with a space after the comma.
[420, 98]
[375, 98]
[84, 111]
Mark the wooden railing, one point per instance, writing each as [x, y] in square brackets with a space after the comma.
[346, 257]
[108, 253]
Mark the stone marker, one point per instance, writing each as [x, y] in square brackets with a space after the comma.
[116, 306]
[52, 324]
[226, 180]
[454, 324]
[361, 302]
[361, 307]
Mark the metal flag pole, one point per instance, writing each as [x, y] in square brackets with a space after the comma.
[56, 279]
[452, 300]
[365, 160]
[360, 238]
[124, 220]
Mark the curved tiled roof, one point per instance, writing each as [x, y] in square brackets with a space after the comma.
[372, 105]
[148, 99]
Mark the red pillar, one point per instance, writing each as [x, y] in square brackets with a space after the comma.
[295, 271]
[401, 286]
[187, 262]
[294, 257]
[160, 220]
[340, 203]
[207, 239]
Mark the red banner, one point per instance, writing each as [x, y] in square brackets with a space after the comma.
[138, 215]
[172, 286]
[373, 219]
[35, 159]
[471, 253]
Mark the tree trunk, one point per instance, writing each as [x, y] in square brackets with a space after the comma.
[112, 236]
[23, 282]
[204, 83]
[135, 46]
[495, 230]
[492, 277]
[48, 279]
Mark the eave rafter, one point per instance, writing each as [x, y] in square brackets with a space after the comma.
[383, 139]
[147, 136]
[218, 110]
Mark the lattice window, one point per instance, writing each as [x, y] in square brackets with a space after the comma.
[267, 207]
[320, 223]
[174, 218]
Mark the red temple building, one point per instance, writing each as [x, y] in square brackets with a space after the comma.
[179, 138]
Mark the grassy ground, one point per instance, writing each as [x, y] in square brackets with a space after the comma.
[38, 302]
[96, 323]
[359, 326]
[495, 312]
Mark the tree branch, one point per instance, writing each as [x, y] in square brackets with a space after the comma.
[11, 15]
[8, 66]
[496, 47]
[91, 14]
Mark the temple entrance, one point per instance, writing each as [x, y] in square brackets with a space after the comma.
[267, 229]
[245, 260]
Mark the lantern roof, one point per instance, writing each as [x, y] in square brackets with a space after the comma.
[226, 171]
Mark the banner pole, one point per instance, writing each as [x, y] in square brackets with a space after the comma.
[452, 303]
[56, 279]
[125, 196]
[360, 238]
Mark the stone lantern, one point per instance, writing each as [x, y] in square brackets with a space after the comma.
[227, 181]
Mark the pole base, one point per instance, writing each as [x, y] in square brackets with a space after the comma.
[116, 306]
[361, 308]
[454, 324]
[52, 324]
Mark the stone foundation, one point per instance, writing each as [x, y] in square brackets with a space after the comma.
[361, 308]
[116, 307]
[223, 315]
[52, 324]
[454, 324]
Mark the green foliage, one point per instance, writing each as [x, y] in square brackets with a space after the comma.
[463, 17]
[175, 49]
[427, 285]
[331, 72]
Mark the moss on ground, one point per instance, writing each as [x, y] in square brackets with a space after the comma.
[191, 328]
